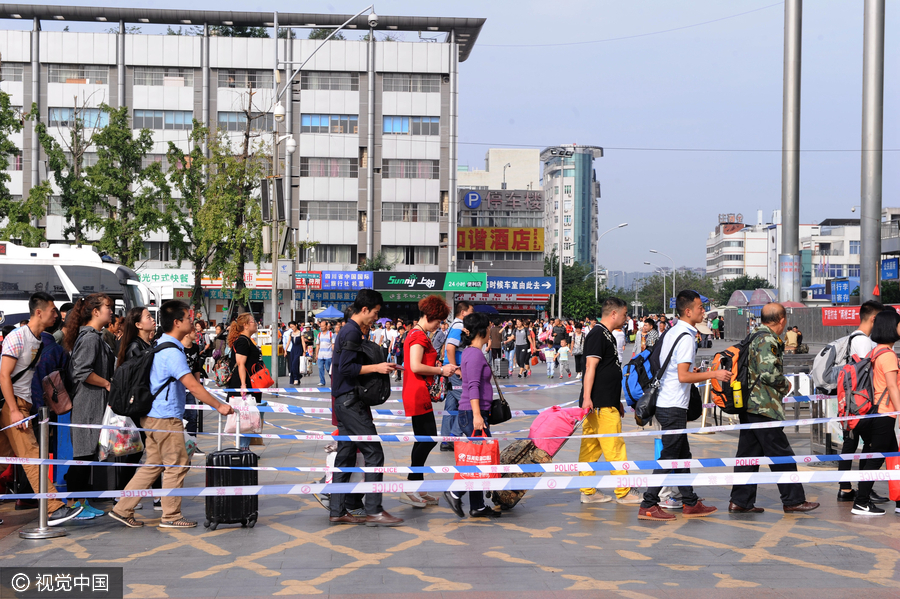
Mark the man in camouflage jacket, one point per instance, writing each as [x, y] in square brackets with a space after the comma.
[768, 386]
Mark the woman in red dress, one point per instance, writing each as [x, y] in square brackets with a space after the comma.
[419, 359]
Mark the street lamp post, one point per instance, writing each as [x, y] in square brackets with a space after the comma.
[596, 294]
[673, 268]
[663, 273]
[505, 166]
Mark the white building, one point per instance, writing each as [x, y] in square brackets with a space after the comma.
[735, 249]
[834, 250]
[375, 121]
[504, 168]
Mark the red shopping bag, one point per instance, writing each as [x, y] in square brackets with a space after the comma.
[477, 453]
[894, 485]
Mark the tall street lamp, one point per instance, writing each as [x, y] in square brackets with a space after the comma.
[505, 166]
[673, 268]
[663, 273]
[596, 295]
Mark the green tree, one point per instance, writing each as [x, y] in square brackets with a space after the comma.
[378, 262]
[131, 195]
[742, 283]
[890, 292]
[322, 33]
[17, 214]
[238, 31]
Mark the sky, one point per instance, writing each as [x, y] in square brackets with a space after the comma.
[684, 95]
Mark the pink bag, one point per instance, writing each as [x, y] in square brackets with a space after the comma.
[555, 422]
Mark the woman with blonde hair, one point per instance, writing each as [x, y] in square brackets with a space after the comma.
[244, 355]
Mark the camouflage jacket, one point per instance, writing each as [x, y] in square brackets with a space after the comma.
[766, 366]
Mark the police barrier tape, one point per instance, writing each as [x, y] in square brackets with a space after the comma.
[495, 484]
[440, 439]
[274, 390]
[498, 468]
[17, 423]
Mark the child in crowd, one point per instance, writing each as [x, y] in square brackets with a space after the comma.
[563, 355]
[549, 356]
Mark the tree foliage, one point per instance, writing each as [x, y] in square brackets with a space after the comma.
[378, 262]
[890, 292]
[16, 214]
[742, 283]
[323, 32]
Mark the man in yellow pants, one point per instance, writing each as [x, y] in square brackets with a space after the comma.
[601, 394]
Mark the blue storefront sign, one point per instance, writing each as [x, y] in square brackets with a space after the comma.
[472, 200]
[840, 292]
[890, 269]
[339, 279]
[326, 296]
[526, 285]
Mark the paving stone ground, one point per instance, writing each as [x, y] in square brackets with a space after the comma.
[549, 546]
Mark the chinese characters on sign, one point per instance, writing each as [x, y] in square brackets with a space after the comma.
[63, 583]
[844, 316]
[890, 269]
[333, 279]
[840, 292]
[499, 239]
[159, 276]
[515, 200]
[529, 284]
[304, 279]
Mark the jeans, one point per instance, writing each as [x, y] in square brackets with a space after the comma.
[877, 435]
[324, 365]
[769, 442]
[450, 424]
[466, 423]
[675, 447]
[356, 419]
[550, 366]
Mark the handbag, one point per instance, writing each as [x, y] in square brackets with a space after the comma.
[246, 414]
[500, 411]
[56, 395]
[535, 360]
[645, 408]
[260, 377]
[477, 453]
[695, 404]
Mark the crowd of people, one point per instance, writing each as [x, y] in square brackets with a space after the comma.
[438, 359]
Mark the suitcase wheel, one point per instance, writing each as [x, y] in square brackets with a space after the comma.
[252, 521]
[206, 524]
[244, 523]
[213, 525]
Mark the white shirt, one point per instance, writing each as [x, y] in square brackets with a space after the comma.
[672, 392]
[378, 336]
[620, 344]
[286, 341]
[23, 346]
[391, 336]
[861, 345]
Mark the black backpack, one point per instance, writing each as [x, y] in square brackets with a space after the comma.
[372, 389]
[129, 392]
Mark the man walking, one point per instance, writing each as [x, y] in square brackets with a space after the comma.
[21, 351]
[353, 416]
[452, 356]
[601, 394]
[578, 338]
[672, 404]
[171, 376]
[764, 404]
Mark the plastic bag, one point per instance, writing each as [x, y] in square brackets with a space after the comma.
[118, 443]
[244, 408]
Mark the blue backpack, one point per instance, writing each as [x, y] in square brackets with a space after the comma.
[638, 373]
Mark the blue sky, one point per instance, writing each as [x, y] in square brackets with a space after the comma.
[712, 86]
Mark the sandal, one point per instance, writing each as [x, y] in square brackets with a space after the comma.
[128, 521]
[413, 500]
[429, 499]
[180, 523]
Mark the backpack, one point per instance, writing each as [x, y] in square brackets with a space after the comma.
[736, 360]
[129, 392]
[856, 389]
[372, 389]
[829, 362]
[222, 369]
[638, 373]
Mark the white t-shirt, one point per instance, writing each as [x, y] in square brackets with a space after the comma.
[326, 342]
[672, 392]
[378, 336]
[620, 344]
[391, 335]
[861, 345]
[22, 345]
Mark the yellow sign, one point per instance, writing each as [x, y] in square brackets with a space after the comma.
[499, 239]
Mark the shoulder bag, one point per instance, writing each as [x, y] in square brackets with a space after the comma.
[645, 408]
[500, 411]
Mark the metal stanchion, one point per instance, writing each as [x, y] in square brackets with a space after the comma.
[43, 531]
[219, 430]
[706, 391]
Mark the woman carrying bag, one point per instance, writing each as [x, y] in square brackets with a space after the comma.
[420, 358]
[474, 403]
[91, 369]
[245, 358]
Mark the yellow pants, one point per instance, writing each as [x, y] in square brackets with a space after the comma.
[602, 421]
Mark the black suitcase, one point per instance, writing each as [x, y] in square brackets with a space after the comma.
[231, 509]
[501, 368]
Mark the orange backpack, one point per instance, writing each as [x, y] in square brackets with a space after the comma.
[734, 359]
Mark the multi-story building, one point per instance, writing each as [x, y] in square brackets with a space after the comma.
[834, 250]
[375, 121]
[571, 191]
[504, 168]
[735, 249]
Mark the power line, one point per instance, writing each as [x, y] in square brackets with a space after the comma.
[644, 149]
[628, 37]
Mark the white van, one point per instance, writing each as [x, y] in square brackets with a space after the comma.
[66, 272]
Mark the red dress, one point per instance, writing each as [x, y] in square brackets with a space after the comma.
[416, 399]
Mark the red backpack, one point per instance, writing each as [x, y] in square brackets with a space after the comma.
[856, 389]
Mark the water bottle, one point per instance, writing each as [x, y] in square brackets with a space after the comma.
[737, 394]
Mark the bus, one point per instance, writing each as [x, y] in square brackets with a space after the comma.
[66, 272]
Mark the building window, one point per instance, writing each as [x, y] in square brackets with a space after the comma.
[155, 250]
[567, 205]
[854, 249]
[411, 169]
[503, 218]
[411, 82]
[92, 118]
[853, 269]
[238, 78]
[567, 219]
[507, 256]
[164, 76]
[342, 211]
[150, 159]
[835, 271]
[412, 125]
[87, 158]
[409, 212]
[12, 71]
[329, 167]
[323, 80]
[65, 73]
[567, 189]
[237, 121]
[329, 123]
[567, 233]
[15, 161]
[334, 254]
[163, 119]
[411, 256]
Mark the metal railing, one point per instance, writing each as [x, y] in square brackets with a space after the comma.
[890, 230]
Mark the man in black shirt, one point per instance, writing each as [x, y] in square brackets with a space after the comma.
[353, 416]
[601, 394]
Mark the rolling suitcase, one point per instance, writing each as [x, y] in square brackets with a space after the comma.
[501, 368]
[231, 509]
[518, 452]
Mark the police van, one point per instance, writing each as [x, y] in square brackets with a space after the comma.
[66, 272]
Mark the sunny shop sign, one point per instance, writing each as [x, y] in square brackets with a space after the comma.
[430, 281]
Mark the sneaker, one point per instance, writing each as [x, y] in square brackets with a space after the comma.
[64, 514]
[846, 496]
[597, 497]
[85, 515]
[897, 510]
[698, 510]
[631, 498]
[413, 500]
[139, 506]
[89, 508]
[670, 503]
[560, 377]
[130, 522]
[429, 499]
[447, 446]
[570, 375]
[867, 510]
[157, 505]
[358, 512]
[655, 513]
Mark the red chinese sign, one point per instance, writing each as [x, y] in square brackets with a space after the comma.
[495, 239]
[843, 316]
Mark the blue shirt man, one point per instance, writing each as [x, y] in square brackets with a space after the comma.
[168, 364]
